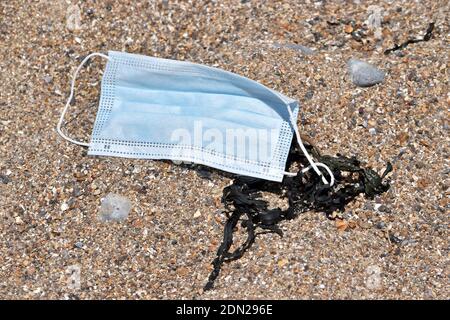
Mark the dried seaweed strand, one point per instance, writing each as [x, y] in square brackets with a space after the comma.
[402, 46]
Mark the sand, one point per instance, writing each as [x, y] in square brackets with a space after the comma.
[54, 246]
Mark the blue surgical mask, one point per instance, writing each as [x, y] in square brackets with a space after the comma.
[153, 108]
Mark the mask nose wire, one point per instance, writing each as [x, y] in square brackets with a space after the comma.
[313, 165]
[72, 90]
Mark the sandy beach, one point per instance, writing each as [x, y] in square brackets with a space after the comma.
[53, 244]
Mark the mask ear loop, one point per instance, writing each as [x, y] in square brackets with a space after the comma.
[313, 165]
[72, 90]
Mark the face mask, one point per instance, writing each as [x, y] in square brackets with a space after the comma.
[152, 108]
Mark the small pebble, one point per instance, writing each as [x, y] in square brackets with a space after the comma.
[4, 179]
[381, 225]
[78, 245]
[76, 191]
[368, 206]
[18, 220]
[197, 214]
[364, 74]
[384, 208]
[395, 239]
[309, 94]
[64, 206]
[48, 79]
[114, 207]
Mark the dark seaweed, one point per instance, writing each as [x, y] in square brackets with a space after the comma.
[402, 46]
[243, 200]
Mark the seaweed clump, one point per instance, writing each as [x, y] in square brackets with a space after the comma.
[305, 192]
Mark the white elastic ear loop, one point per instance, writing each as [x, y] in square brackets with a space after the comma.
[313, 164]
[72, 89]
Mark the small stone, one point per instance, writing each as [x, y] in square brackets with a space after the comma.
[348, 28]
[197, 214]
[309, 94]
[76, 191]
[78, 245]
[48, 79]
[114, 207]
[136, 170]
[368, 206]
[4, 179]
[64, 206]
[352, 224]
[341, 225]
[381, 225]
[373, 131]
[402, 137]
[183, 271]
[364, 224]
[18, 220]
[129, 41]
[282, 262]
[394, 239]
[364, 74]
